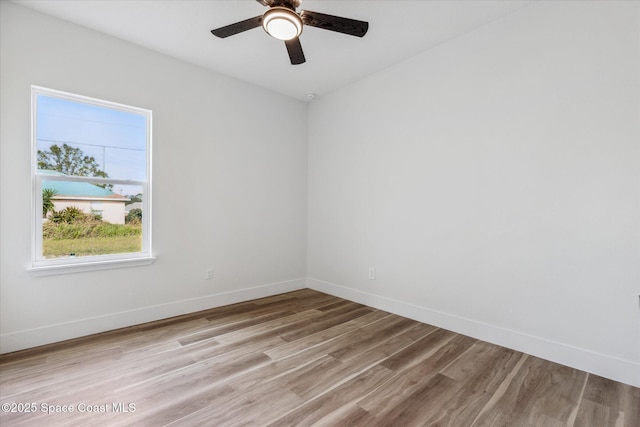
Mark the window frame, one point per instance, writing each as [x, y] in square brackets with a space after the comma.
[42, 266]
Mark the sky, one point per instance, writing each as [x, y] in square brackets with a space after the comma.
[115, 138]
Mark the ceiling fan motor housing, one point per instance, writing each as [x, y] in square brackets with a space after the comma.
[291, 4]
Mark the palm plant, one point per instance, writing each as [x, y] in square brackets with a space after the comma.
[47, 203]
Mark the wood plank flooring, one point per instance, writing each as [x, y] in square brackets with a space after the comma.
[299, 359]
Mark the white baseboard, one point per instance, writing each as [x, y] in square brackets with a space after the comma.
[63, 331]
[596, 363]
[624, 371]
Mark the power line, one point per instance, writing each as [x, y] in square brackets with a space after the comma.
[91, 145]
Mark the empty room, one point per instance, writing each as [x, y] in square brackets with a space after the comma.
[338, 213]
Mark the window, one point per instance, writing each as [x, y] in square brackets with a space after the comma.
[91, 161]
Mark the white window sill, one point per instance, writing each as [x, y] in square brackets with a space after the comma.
[47, 270]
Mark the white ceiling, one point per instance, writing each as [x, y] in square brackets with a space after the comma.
[181, 28]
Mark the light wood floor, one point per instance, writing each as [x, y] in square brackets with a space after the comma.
[297, 359]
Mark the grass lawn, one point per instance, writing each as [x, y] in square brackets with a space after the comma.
[91, 246]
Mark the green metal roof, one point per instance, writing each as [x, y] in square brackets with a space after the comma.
[77, 189]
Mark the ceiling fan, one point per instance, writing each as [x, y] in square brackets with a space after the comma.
[282, 22]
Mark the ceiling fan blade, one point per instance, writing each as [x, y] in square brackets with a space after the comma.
[238, 27]
[335, 23]
[295, 51]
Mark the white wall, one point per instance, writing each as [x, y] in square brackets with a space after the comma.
[229, 184]
[493, 183]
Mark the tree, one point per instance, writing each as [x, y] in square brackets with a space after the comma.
[47, 203]
[70, 161]
[134, 199]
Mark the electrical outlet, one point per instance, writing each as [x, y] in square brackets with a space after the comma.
[372, 273]
[209, 274]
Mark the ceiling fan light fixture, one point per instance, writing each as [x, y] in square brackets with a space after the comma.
[282, 23]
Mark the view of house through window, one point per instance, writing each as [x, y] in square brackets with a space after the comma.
[91, 178]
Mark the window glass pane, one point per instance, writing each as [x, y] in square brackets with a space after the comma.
[83, 139]
[86, 219]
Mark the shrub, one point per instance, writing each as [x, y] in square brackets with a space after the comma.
[68, 215]
[79, 230]
[134, 216]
